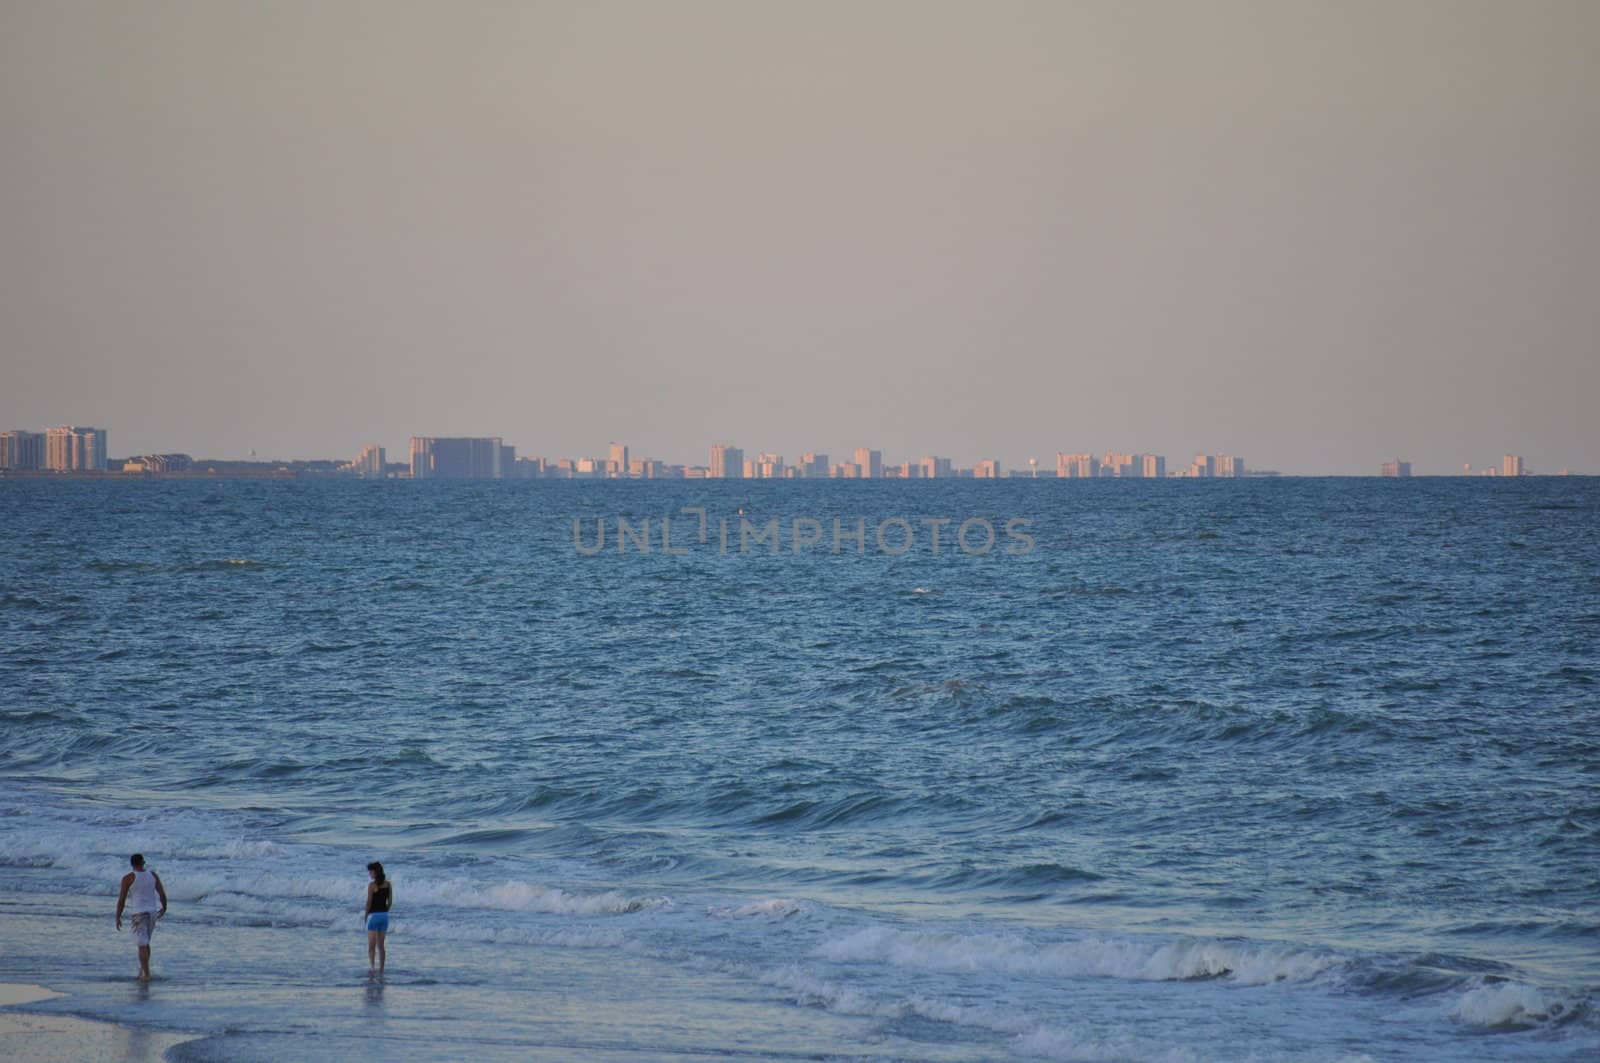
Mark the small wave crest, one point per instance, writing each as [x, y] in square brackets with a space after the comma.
[532, 897]
[1094, 957]
[775, 909]
[1030, 1038]
[1505, 1005]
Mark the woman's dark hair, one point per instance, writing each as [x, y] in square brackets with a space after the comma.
[376, 867]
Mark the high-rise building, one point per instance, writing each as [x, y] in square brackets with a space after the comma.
[617, 461]
[73, 449]
[1152, 466]
[1511, 465]
[1077, 466]
[813, 465]
[458, 457]
[727, 462]
[987, 469]
[767, 467]
[1121, 465]
[870, 461]
[933, 468]
[21, 450]
[1395, 468]
[1218, 465]
[370, 462]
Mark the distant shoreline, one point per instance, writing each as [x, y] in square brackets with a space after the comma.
[291, 472]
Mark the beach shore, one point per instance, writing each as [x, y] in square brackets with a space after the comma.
[46, 1038]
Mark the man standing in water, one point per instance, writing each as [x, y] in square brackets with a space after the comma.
[148, 898]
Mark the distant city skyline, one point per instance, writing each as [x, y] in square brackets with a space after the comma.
[68, 449]
[1318, 235]
[1483, 460]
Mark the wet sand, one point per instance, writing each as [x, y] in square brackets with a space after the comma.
[47, 1038]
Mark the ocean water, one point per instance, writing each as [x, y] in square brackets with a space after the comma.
[1292, 769]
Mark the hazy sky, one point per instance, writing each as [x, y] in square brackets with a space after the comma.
[1315, 234]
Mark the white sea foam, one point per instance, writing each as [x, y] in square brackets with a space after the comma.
[1135, 959]
[1503, 1004]
[813, 990]
[92, 838]
[985, 1016]
[421, 891]
[228, 849]
[1051, 1041]
[249, 885]
[203, 860]
[532, 897]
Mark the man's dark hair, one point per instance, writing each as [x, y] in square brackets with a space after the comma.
[137, 859]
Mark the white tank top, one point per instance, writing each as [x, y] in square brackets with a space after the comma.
[142, 894]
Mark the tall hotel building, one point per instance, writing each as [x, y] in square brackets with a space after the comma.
[617, 461]
[1121, 465]
[1395, 468]
[727, 463]
[370, 462]
[765, 467]
[70, 449]
[1511, 465]
[870, 461]
[21, 450]
[1077, 466]
[459, 458]
[1207, 466]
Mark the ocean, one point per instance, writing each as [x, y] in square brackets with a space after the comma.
[1263, 769]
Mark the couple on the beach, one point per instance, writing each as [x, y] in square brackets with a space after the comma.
[143, 893]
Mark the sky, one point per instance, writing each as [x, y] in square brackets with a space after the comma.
[1317, 235]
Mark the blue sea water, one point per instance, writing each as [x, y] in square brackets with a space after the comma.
[1294, 769]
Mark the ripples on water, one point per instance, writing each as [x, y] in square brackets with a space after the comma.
[1340, 734]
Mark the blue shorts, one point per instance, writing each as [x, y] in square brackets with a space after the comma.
[378, 921]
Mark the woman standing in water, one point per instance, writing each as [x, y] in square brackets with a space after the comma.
[380, 894]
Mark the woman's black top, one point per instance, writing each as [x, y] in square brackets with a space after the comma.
[380, 898]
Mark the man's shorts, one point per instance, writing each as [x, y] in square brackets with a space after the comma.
[144, 924]
[378, 921]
